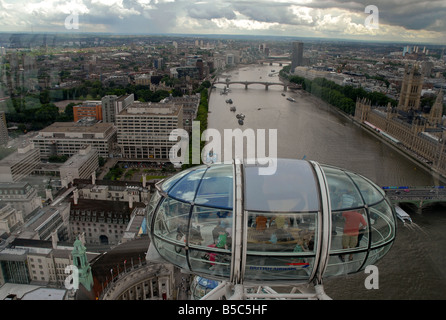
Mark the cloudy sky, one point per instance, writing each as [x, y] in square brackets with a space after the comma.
[399, 20]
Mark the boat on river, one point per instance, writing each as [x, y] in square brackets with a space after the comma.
[402, 215]
[291, 99]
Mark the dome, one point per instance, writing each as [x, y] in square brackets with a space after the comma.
[305, 221]
[202, 286]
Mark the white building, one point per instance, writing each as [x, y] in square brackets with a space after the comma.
[311, 74]
[19, 164]
[144, 129]
[21, 196]
[10, 218]
[67, 138]
[81, 165]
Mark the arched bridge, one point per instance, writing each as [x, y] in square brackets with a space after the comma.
[265, 83]
[419, 196]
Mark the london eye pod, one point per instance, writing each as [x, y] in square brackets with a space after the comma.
[294, 225]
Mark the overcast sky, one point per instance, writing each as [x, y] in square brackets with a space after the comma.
[399, 20]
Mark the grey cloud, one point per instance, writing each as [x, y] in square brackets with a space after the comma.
[210, 11]
[410, 14]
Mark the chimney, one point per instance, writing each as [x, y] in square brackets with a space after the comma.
[93, 177]
[144, 180]
[130, 201]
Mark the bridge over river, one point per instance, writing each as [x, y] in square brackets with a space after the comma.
[285, 86]
[419, 196]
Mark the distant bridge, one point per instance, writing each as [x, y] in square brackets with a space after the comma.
[419, 196]
[265, 83]
[280, 60]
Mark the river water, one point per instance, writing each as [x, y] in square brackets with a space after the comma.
[415, 267]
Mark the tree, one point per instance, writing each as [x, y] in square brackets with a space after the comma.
[44, 97]
[69, 111]
[206, 84]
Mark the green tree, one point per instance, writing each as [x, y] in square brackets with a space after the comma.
[44, 97]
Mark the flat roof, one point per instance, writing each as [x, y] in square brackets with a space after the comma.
[40, 217]
[148, 108]
[17, 157]
[106, 206]
[18, 289]
[45, 294]
[63, 127]
[78, 159]
[13, 185]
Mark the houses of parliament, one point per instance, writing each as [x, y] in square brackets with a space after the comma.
[408, 125]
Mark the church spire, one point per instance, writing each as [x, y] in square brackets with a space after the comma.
[436, 113]
[80, 260]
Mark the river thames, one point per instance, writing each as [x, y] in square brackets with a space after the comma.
[415, 267]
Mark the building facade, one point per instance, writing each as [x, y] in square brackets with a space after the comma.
[190, 105]
[418, 137]
[146, 282]
[125, 191]
[112, 105]
[109, 108]
[81, 165]
[101, 221]
[411, 90]
[297, 55]
[10, 218]
[19, 164]
[67, 138]
[144, 129]
[38, 262]
[21, 196]
[46, 221]
[88, 109]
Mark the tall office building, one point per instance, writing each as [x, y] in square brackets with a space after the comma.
[109, 108]
[297, 55]
[144, 129]
[112, 105]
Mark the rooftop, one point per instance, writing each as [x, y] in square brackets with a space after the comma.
[108, 207]
[167, 109]
[18, 156]
[45, 294]
[64, 127]
[79, 158]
